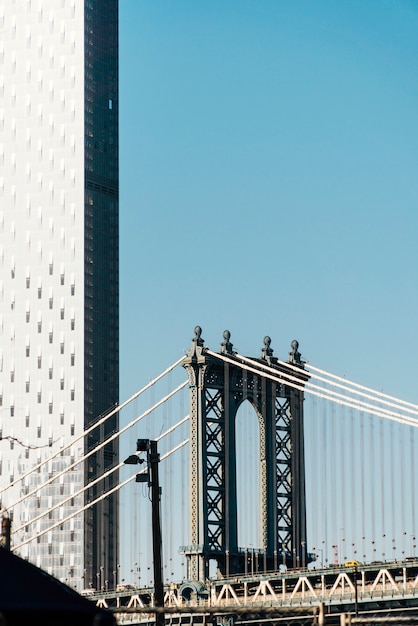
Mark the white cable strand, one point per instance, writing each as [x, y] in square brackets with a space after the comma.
[93, 502]
[281, 378]
[295, 368]
[331, 395]
[93, 482]
[98, 447]
[345, 387]
[118, 408]
[378, 393]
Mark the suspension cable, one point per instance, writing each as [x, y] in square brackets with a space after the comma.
[378, 393]
[99, 446]
[281, 377]
[93, 482]
[118, 408]
[93, 502]
[254, 367]
[401, 404]
[345, 387]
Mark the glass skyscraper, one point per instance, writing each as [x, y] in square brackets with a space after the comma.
[59, 345]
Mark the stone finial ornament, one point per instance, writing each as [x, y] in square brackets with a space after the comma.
[266, 351]
[226, 345]
[294, 354]
[197, 343]
[198, 336]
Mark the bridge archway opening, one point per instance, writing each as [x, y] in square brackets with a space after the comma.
[247, 444]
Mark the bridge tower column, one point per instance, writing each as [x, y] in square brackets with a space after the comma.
[219, 383]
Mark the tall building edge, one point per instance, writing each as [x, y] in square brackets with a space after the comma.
[101, 546]
[59, 283]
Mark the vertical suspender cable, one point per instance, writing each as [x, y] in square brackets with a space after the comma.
[180, 486]
[382, 473]
[332, 483]
[351, 471]
[134, 518]
[391, 486]
[413, 498]
[325, 455]
[313, 476]
[362, 435]
[344, 452]
[371, 487]
[355, 496]
[167, 499]
[404, 509]
[256, 477]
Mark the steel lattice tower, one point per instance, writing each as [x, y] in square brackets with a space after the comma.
[219, 383]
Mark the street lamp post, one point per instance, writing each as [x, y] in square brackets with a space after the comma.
[150, 447]
[156, 534]
[355, 591]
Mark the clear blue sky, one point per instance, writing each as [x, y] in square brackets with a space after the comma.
[268, 184]
[268, 170]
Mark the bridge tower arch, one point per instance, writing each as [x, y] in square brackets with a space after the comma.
[218, 384]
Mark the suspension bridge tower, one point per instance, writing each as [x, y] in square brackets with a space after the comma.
[219, 383]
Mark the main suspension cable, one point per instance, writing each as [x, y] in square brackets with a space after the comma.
[94, 502]
[93, 482]
[98, 447]
[292, 381]
[101, 421]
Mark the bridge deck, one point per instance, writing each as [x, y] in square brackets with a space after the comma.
[338, 589]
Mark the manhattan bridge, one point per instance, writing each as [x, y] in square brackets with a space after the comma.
[286, 494]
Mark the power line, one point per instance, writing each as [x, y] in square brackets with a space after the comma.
[27, 446]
